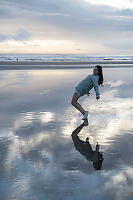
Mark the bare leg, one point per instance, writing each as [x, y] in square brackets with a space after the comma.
[76, 104]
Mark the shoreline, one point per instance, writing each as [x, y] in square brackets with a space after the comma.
[27, 65]
[65, 62]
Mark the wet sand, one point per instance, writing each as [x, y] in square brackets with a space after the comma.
[38, 157]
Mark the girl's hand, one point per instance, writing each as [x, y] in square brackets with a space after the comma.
[97, 97]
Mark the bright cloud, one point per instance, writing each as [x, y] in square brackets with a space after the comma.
[113, 3]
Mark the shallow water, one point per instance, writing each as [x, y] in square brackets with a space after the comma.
[37, 153]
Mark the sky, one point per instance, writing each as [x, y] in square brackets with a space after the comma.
[94, 27]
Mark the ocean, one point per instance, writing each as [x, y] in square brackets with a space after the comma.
[62, 57]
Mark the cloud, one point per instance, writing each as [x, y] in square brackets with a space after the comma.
[21, 35]
[126, 12]
[90, 25]
[4, 37]
[126, 44]
[114, 4]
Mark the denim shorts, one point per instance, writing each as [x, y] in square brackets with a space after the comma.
[76, 92]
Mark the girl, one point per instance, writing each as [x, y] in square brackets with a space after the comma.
[85, 86]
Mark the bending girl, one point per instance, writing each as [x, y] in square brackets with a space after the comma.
[85, 86]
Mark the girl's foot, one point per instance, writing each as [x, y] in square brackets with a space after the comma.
[85, 115]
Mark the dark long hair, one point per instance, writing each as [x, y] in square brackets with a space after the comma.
[100, 73]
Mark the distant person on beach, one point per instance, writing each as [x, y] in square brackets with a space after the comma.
[84, 147]
[85, 86]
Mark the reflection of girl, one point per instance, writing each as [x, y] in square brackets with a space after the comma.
[86, 150]
[85, 86]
